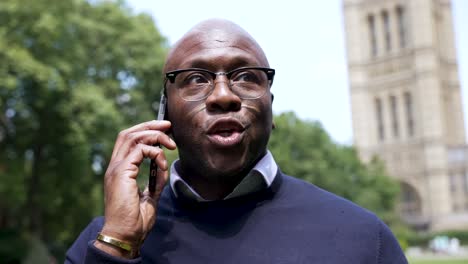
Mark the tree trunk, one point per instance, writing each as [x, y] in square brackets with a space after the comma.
[33, 189]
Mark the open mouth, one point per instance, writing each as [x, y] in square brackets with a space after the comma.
[226, 133]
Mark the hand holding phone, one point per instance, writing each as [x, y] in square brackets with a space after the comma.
[130, 213]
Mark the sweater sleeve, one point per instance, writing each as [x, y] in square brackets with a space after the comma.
[390, 251]
[83, 250]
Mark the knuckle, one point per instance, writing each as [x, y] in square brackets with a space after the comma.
[158, 136]
[149, 150]
[156, 151]
[142, 148]
[129, 136]
[150, 124]
[123, 133]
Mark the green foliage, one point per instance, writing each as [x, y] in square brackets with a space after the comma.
[13, 247]
[422, 239]
[304, 149]
[462, 235]
[72, 74]
[439, 260]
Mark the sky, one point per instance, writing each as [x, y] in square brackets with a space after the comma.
[304, 42]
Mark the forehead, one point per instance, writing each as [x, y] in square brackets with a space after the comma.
[216, 49]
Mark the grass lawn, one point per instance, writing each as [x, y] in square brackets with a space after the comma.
[439, 261]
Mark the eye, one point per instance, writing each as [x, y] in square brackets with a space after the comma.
[192, 78]
[196, 78]
[247, 76]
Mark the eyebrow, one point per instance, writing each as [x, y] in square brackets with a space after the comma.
[234, 63]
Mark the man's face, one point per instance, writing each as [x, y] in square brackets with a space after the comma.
[222, 135]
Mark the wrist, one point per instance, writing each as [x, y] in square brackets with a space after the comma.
[122, 234]
[117, 247]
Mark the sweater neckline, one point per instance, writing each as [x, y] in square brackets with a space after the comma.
[260, 177]
[260, 196]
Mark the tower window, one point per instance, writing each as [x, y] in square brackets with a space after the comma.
[386, 25]
[409, 113]
[372, 34]
[401, 26]
[464, 177]
[453, 183]
[379, 116]
[394, 114]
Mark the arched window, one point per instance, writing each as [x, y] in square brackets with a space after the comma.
[372, 34]
[410, 200]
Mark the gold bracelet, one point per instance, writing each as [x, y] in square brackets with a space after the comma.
[132, 250]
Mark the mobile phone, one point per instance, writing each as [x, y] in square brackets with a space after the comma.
[153, 165]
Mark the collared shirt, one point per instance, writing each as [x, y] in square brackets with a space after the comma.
[260, 177]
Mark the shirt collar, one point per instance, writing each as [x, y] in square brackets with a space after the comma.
[260, 177]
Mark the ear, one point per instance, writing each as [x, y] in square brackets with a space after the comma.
[273, 125]
[166, 114]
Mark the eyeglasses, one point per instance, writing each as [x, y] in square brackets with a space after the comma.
[194, 84]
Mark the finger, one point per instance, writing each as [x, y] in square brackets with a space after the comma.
[146, 192]
[161, 180]
[146, 196]
[148, 137]
[129, 167]
[161, 161]
[160, 125]
[142, 151]
[148, 208]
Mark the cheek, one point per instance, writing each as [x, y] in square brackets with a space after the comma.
[185, 120]
[261, 112]
[261, 121]
[179, 110]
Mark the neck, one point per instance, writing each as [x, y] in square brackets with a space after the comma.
[213, 186]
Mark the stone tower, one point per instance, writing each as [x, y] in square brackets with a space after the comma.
[406, 104]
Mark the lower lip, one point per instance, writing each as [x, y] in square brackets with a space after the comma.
[226, 141]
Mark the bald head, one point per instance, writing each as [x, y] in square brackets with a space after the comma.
[211, 34]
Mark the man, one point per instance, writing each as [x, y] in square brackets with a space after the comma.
[227, 201]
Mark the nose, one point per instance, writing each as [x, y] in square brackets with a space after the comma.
[222, 99]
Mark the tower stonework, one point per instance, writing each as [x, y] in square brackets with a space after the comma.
[406, 104]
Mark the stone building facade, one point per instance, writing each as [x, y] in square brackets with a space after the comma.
[406, 104]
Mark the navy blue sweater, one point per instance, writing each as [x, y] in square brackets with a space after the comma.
[290, 222]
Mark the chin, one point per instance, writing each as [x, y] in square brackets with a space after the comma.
[230, 163]
[226, 165]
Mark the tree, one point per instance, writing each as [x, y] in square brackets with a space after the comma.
[305, 150]
[72, 74]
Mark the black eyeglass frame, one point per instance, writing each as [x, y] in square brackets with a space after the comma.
[171, 75]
